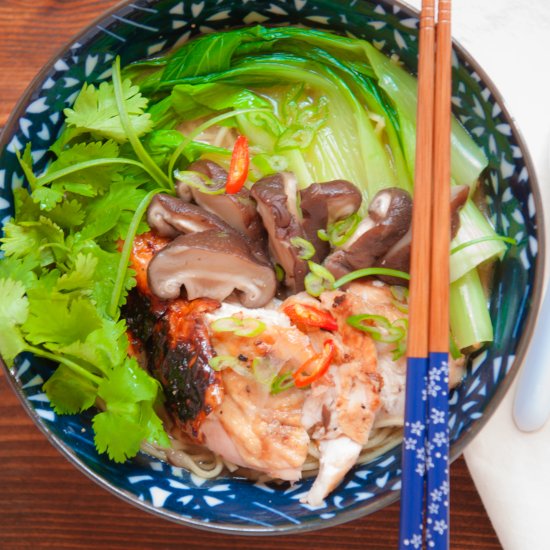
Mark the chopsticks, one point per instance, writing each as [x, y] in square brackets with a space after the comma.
[425, 477]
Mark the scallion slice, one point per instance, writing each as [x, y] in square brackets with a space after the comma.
[247, 327]
[221, 362]
[370, 272]
[199, 181]
[340, 231]
[462, 246]
[318, 279]
[281, 383]
[306, 250]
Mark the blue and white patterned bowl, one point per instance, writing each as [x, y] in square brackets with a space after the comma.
[145, 27]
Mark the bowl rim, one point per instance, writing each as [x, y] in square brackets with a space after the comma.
[465, 438]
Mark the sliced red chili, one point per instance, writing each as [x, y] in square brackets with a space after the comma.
[305, 316]
[238, 168]
[314, 367]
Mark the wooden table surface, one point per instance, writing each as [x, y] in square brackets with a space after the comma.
[44, 501]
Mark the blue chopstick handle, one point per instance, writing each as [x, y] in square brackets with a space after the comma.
[437, 453]
[413, 457]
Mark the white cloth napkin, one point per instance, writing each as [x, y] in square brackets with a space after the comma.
[510, 39]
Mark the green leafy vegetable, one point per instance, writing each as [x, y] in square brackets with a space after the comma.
[95, 111]
[63, 279]
[14, 309]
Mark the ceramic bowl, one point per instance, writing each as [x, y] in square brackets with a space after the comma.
[144, 28]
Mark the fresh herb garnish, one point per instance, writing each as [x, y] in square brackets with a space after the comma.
[63, 279]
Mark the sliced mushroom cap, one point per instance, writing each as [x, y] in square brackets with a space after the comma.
[211, 264]
[276, 203]
[236, 209]
[170, 216]
[326, 203]
[337, 263]
[389, 219]
[399, 255]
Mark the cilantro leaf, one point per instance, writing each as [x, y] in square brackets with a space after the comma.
[61, 265]
[41, 239]
[55, 319]
[81, 276]
[105, 348]
[46, 197]
[68, 214]
[155, 432]
[129, 394]
[25, 208]
[105, 274]
[95, 111]
[130, 384]
[118, 434]
[14, 309]
[14, 306]
[11, 342]
[104, 213]
[88, 181]
[19, 269]
[68, 392]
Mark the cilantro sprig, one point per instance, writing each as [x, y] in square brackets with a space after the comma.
[63, 277]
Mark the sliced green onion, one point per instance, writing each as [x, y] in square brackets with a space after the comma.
[267, 164]
[400, 293]
[339, 232]
[221, 362]
[248, 327]
[462, 246]
[323, 235]
[279, 273]
[318, 279]
[306, 250]
[226, 324]
[199, 181]
[281, 383]
[369, 272]
[313, 284]
[400, 349]
[321, 271]
[378, 327]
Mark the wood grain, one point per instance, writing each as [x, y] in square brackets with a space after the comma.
[44, 501]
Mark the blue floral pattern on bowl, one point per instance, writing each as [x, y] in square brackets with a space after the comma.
[143, 29]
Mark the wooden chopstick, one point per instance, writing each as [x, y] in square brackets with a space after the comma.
[425, 481]
[437, 446]
[412, 484]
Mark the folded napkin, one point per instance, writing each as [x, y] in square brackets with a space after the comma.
[511, 470]
[510, 39]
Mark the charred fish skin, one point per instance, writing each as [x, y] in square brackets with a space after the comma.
[173, 342]
[178, 356]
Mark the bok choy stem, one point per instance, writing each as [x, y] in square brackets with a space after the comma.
[470, 321]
